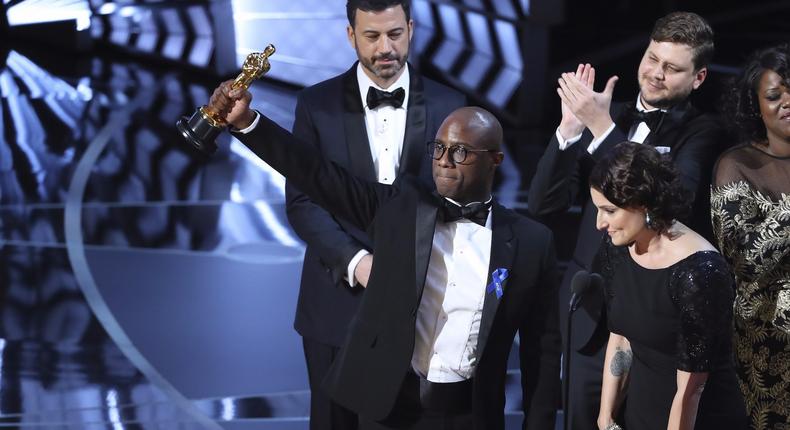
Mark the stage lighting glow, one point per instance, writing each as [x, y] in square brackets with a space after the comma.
[504, 8]
[107, 8]
[113, 411]
[127, 11]
[481, 60]
[525, 6]
[452, 47]
[310, 36]
[83, 22]
[421, 11]
[36, 12]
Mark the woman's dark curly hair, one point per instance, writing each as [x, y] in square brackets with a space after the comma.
[632, 175]
[742, 103]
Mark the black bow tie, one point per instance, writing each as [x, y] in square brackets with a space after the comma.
[377, 97]
[652, 118]
[476, 212]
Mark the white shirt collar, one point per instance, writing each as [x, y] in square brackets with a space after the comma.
[364, 82]
[640, 107]
[490, 198]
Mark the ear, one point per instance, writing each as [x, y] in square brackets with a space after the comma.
[497, 157]
[699, 78]
[351, 39]
[411, 29]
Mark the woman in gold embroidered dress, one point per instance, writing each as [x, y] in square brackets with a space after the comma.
[750, 204]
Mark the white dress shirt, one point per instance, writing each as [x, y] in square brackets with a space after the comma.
[638, 133]
[386, 128]
[451, 307]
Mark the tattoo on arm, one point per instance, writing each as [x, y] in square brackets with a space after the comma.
[621, 362]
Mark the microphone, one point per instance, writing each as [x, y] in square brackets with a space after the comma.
[582, 282]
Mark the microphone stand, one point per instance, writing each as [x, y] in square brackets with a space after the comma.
[566, 363]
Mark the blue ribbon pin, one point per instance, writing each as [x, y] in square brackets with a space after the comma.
[498, 276]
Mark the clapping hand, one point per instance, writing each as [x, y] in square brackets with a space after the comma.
[571, 126]
[582, 103]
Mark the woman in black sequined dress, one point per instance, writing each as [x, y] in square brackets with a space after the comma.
[669, 297]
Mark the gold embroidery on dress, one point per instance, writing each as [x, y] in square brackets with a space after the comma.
[753, 231]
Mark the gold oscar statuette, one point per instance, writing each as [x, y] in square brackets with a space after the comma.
[203, 127]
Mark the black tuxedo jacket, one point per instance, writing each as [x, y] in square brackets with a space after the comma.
[331, 118]
[367, 374]
[695, 139]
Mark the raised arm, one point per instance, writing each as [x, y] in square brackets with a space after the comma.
[329, 185]
[557, 182]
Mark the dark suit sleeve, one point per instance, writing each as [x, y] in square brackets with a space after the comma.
[314, 225]
[612, 139]
[556, 182]
[696, 157]
[327, 184]
[539, 348]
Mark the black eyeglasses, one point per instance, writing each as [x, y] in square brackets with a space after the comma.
[457, 152]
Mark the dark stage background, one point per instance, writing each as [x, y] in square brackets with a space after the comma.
[142, 286]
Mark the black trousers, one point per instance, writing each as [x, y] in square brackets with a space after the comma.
[585, 390]
[324, 413]
[425, 406]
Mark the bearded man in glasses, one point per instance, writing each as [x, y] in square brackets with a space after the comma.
[455, 276]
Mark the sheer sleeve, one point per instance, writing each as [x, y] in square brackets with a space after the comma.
[702, 288]
[750, 211]
[726, 193]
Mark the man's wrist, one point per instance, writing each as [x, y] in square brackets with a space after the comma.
[352, 266]
[569, 131]
[599, 128]
[245, 121]
[255, 117]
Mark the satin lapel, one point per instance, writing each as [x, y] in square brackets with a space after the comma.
[414, 137]
[671, 128]
[423, 241]
[618, 112]
[503, 250]
[360, 160]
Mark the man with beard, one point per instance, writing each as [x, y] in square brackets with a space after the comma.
[374, 120]
[673, 65]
